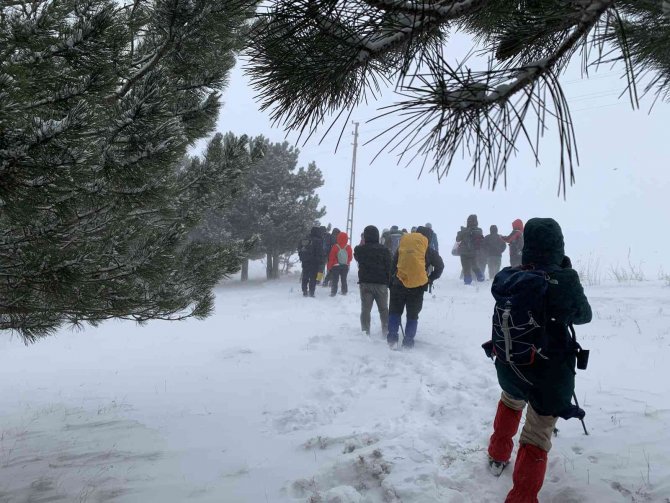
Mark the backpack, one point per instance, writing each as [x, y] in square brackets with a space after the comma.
[411, 269]
[342, 255]
[304, 249]
[471, 240]
[393, 242]
[519, 316]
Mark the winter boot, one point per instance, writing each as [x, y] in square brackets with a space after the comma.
[410, 333]
[528, 476]
[467, 279]
[394, 326]
[505, 426]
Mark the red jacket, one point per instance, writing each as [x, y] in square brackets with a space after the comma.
[342, 240]
[517, 232]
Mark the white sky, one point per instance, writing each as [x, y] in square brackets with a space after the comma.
[620, 200]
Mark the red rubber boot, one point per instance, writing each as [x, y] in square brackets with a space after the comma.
[528, 476]
[505, 427]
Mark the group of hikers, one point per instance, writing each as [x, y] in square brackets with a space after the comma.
[477, 252]
[538, 299]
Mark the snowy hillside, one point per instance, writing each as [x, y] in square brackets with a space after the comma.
[280, 398]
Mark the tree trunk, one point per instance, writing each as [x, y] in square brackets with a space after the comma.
[275, 266]
[268, 265]
[245, 270]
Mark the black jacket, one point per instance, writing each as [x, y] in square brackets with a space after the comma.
[374, 263]
[374, 259]
[310, 250]
[566, 302]
[494, 246]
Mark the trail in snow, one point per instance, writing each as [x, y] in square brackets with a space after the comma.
[280, 398]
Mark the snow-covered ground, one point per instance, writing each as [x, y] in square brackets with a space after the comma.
[280, 398]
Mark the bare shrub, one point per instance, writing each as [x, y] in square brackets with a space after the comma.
[628, 273]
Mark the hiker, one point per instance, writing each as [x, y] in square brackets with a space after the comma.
[470, 239]
[433, 240]
[544, 381]
[392, 241]
[384, 237]
[374, 274]
[409, 280]
[329, 241]
[312, 258]
[493, 247]
[338, 263]
[515, 241]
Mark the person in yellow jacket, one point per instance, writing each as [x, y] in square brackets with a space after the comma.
[409, 280]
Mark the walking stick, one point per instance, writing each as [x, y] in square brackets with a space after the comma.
[574, 395]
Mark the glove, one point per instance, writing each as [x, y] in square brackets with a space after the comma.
[572, 411]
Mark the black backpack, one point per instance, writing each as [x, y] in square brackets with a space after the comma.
[304, 250]
[518, 332]
[471, 239]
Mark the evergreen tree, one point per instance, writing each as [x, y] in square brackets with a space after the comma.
[99, 100]
[279, 204]
[311, 59]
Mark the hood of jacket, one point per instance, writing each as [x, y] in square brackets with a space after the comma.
[371, 234]
[493, 229]
[542, 242]
[517, 225]
[342, 239]
[472, 221]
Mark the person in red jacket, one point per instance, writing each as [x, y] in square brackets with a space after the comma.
[515, 242]
[339, 259]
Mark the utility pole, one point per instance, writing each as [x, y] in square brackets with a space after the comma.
[352, 188]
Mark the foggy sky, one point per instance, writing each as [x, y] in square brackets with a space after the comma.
[620, 200]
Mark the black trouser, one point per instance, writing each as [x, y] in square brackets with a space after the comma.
[309, 272]
[410, 298]
[339, 272]
[470, 265]
[494, 265]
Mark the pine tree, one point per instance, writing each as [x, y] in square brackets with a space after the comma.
[314, 59]
[99, 100]
[279, 204]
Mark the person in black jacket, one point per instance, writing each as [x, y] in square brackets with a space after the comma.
[312, 258]
[329, 240]
[547, 384]
[374, 274]
[470, 239]
[493, 247]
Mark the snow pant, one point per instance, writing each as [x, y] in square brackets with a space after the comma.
[339, 273]
[469, 264]
[494, 265]
[514, 259]
[371, 293]
[309, 272]
[537, 430]
[401, 298]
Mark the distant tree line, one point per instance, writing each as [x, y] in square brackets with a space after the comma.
[275, 206]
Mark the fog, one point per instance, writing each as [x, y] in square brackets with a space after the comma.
[618, 205]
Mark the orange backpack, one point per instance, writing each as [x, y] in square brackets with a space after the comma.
[412, 260]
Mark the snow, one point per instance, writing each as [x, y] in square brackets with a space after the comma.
[280, 398]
